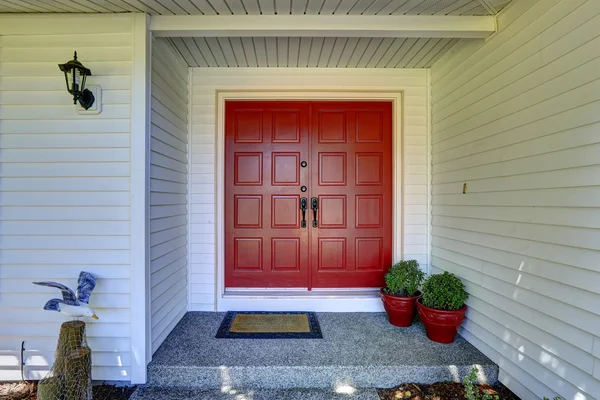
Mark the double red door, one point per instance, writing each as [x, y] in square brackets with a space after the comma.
[308, 194]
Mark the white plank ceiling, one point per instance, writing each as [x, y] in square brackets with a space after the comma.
[328, 52]
[312, 52]
[228, 7]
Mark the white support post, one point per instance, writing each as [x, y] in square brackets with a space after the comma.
[140, 127]
[419, 26]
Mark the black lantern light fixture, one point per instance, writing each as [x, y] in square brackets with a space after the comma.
[75, 75]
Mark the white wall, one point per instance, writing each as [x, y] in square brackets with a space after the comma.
[518, 119]
[168, 190]
[205, 83]
[64, 188]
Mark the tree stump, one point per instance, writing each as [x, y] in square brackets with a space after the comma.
[71, 337]
[78, 374]
[50, 388]
[71, 374]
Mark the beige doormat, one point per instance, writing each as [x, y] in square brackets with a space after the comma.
[270, 325]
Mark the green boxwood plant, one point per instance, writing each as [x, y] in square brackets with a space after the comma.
[404, 279]
[444, 292]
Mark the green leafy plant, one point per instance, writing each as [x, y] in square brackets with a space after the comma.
[404, 279]
[472, 392]
[444, 292]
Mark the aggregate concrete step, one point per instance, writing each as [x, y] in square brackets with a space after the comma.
[330, 376]
[150, 393]
[359, 350]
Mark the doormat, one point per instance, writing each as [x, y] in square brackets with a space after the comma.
[270, 325]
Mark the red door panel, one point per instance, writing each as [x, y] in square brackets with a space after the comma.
[265, 142]
[348, 148]
[351, 154]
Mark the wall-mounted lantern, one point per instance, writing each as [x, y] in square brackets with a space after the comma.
[75, 75]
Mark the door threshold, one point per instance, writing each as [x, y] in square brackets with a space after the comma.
[300, 293]
[323, 300]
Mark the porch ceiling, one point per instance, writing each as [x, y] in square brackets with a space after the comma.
[242, 7]
[312, 52]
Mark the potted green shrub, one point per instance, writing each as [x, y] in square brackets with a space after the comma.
[442, 307]
[402, 290]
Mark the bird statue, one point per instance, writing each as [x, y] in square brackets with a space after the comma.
[73, 305]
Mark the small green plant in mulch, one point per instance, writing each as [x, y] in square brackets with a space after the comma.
[472, 392]
[404, 279]
[444, 292]
[440, 391]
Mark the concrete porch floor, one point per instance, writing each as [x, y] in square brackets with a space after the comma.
[359, 350]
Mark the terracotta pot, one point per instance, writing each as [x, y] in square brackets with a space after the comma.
[400, 310]
[441, 325]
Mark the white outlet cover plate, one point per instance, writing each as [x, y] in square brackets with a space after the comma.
[96, 108]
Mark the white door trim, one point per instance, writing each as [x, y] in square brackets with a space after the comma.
[346, 303]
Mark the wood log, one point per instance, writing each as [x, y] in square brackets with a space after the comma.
[72, 365]
[78, 374]
[71, 337]
[50, 388]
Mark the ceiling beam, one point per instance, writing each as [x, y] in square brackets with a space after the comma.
[434, 26]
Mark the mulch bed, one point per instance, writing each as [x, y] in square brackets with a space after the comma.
[28, 391]
[408, 391]
[441, 391]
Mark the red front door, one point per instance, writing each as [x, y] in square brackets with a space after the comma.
[333, 157]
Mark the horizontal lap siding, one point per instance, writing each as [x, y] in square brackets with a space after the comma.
[517, 119]
[65, 191]
[168, 190]
[205, 83]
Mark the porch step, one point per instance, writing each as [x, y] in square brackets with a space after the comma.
[148, 393]
[331, 376]
[358, 350]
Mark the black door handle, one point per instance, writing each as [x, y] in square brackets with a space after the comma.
[303, 206]
[314, 204]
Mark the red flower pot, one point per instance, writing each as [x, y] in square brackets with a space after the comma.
[400, 310]
[441, 325]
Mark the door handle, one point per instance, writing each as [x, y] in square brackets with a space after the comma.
[303, 206]
[314, 204]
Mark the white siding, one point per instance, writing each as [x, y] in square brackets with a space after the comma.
[205, 82]
[168, 190]
[517, 118]
[64, 189]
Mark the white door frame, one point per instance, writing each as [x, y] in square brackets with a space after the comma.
[295, 300]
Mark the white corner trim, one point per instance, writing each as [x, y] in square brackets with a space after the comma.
[429, 175]
[189, 188]
[140, 124]
[226, 302]
[428, 26]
